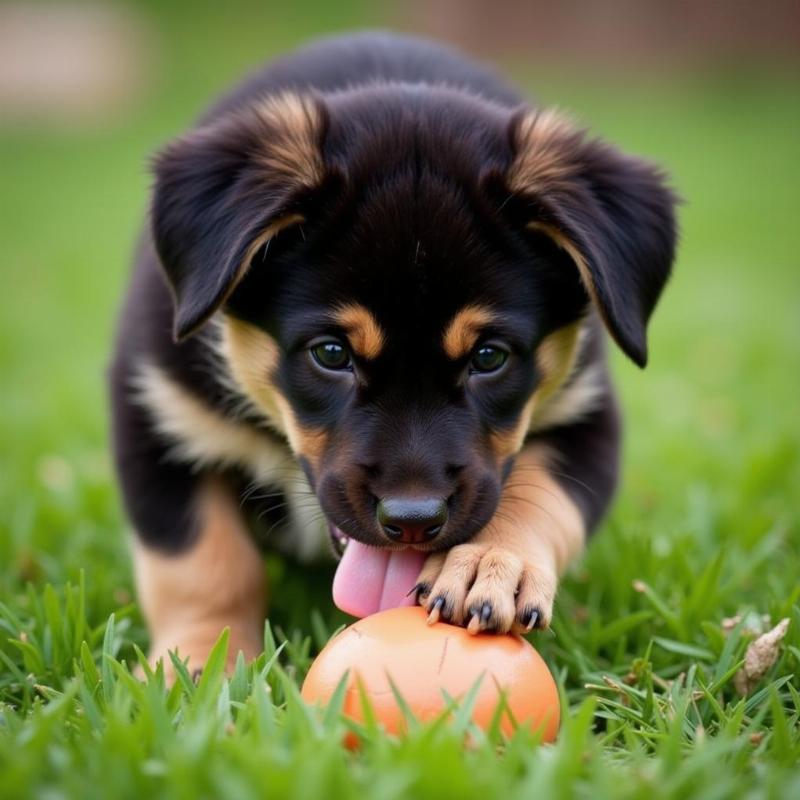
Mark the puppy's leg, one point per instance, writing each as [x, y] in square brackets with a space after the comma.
[216, 581]
[196, 568]
[506, 577]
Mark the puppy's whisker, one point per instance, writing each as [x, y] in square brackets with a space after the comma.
[253, 490]
[539, 490]
[534, 504]
[555, 472]
[275, 507]
[290, 496]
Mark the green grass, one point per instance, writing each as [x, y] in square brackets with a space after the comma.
[706, 525]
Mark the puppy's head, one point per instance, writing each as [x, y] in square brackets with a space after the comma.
[402, 276]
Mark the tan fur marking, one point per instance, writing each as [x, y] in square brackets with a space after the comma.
[536, 513]
[201, 436]
[252, 356]
[545, 145]
[508, 442]
[290, 148]
[363, 331]
[463, 330]
[571, 402]
[187, 599]
[303, 441]
[555, 359]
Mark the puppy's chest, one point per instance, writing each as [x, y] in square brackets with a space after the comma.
[274, 494]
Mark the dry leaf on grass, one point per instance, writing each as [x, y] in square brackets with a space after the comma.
[761, 654]
[755, 624]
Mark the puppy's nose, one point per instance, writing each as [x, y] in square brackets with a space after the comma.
[412, 520]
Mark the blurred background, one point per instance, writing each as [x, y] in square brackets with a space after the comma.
[710, 90]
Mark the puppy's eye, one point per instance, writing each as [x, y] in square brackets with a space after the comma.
[331, 355]
[488, 358]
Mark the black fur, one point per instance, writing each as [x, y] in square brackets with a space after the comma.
[618, 212]
[587, 460]
[211, 200]
[412, 218]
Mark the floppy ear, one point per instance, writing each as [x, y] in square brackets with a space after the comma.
[223, 190]
[611, 213]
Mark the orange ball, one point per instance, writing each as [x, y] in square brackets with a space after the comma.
[422, 660]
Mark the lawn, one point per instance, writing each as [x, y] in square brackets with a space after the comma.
[706, 527]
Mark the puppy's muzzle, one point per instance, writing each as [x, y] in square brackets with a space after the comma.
[412, 520]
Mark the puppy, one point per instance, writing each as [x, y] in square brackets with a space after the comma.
[370, 310]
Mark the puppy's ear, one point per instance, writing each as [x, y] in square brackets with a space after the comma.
[222, 191]
[611, 213]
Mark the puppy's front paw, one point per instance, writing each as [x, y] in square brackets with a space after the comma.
[487, 588]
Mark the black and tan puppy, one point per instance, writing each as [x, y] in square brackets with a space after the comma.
[369, 309]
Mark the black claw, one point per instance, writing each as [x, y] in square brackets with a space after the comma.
[441, 604]
[482, 613]
[531, 618]
[420, 589]
[196, 674]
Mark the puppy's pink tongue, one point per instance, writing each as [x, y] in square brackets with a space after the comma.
[371, 579]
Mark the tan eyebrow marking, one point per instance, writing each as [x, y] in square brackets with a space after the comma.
[362, 329]
[463, 330]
